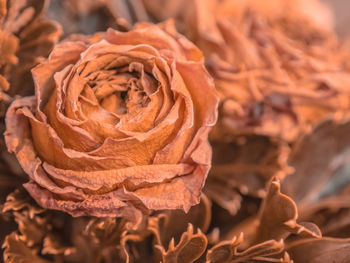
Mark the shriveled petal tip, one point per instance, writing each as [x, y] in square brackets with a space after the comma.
[118, 126]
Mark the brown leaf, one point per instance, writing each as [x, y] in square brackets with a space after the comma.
[243, 167]
[57, 235]
[227, 252]
[168, 225]
[320, 250]
[190, 247]
[16, 251]
[278, 216]
[318, 184]
[277, 219]
[25, 38]
[318, 166]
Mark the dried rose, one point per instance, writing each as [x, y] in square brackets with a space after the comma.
[119, 124]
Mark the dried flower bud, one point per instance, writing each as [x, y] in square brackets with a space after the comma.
[117, 125]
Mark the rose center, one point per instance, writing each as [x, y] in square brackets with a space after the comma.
[121, 90]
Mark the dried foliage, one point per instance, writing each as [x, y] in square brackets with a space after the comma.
[112, 144]
[227, 252]
[89, 16]
[190, 247]
[243, 167]
[26, 37]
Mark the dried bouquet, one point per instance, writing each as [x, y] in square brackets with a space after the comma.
[173, 131]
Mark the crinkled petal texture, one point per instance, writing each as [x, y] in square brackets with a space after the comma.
[118, 125]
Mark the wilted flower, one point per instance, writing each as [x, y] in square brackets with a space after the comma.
[119, 124]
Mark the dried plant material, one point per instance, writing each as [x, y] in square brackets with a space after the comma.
[118, 126]
[279, 214]
[32, 228]
[8, 182]
[17, 252]
[318, 183]
[190, 247]
[168, 225]
[275, 77]
[228, 252]
[331, 214]
[90, 16]
[165, 9]
[115, 140]
[8, 47]
[19, 200]
[46, 234]
[277, 219]
[320, 250]
[280, 86]
[243, 167]
[161, 228]
[25, 37]
[104, 239]
[50, 234]
[320, 168]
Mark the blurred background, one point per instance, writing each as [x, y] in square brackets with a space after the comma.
[341, 14]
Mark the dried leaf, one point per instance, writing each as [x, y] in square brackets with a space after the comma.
[277, 219]
[227, 252]
[50, 234]
[168, 225]
[243, 167]
[25, 38]
[15, 251]
[321, 175]
[319, 167]
[320, 250]
[190, 247]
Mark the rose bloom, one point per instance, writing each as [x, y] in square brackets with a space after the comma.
[119, 124]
